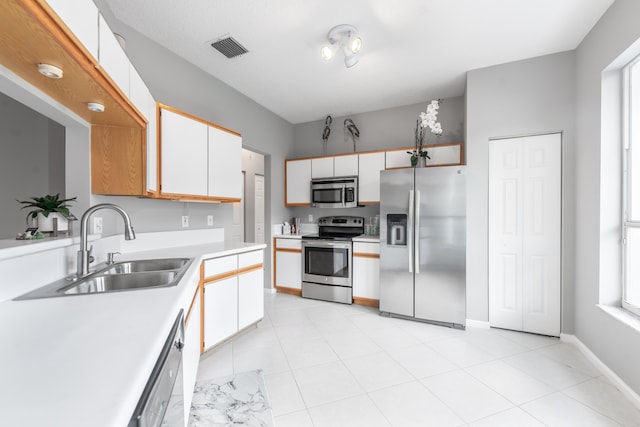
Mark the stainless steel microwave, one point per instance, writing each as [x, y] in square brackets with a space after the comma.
[338, 192]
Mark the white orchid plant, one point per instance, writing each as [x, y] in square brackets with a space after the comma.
[426, 119]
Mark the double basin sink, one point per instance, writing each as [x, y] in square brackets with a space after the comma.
[121, 276]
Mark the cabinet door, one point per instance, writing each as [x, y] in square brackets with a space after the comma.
[112, 58]
[298, 182]
[322, 167]
[220, 310]
[345, 165]
[250, 297]
[366, 270]
[369, 177]
[191, 353]
[82, 19]
[397, 159]
[289, 269]
[183, 155]
[445, 155]
[138, 92]
[225, 164]
[152, 145]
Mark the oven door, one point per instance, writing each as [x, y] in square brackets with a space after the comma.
[326, 262]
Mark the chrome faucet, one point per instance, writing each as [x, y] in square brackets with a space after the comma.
[84, 254]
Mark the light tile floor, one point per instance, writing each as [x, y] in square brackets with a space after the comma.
[328, 364]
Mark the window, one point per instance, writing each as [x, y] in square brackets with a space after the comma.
[631, 193]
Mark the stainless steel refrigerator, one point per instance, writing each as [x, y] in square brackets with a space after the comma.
[423, 244]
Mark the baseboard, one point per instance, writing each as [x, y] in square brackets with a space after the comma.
[269, 291]
[369, 302]
[290, 291]
[617, 382]
[479, 324]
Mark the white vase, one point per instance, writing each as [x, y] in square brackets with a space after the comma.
[46, 223]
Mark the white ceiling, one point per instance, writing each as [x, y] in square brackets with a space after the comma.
[413, 50]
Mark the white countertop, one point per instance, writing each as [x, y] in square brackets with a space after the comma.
[84, 360]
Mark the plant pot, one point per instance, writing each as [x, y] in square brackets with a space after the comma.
[45, 224]
[414, 161]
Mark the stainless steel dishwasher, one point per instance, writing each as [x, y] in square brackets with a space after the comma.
[162, 401]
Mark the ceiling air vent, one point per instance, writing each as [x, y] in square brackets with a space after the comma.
[229, 47]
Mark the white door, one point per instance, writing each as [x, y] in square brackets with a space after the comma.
[259, 208]
[524, 233]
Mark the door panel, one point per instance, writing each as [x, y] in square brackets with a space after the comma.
[440, 278]
[505, 234]
[534, 164]
[396, 281]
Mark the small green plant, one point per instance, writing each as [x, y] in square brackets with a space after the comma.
[46, 205]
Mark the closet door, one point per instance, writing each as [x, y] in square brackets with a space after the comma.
[525, 233]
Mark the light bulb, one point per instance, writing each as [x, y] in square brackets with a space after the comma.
[326, 52]
[50, 71]
[356, 44]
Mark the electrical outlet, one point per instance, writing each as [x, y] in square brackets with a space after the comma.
[97, 225]
[209, 220]
[310, 218]
[185, 220]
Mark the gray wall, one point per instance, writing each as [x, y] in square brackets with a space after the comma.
[380, 130]
[598, 189]
[526, 97]
[31, 161]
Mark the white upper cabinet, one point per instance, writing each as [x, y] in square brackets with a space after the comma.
[298, 182]
[345, 165]
[225, 164]
[138, 92]
[322, 167]
[369, 177]
[82, 19]
[184, 155]
[152, 145]
[111, 56]
[398, 159]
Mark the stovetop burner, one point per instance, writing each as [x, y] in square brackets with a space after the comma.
[338, 227]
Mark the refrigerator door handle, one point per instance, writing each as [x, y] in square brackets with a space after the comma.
[410, 231]
[417, 232]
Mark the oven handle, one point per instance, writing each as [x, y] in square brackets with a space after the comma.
[325, 244]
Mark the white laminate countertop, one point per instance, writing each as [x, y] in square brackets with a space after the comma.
[84, 360]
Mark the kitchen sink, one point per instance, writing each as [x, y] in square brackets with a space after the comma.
[122, 276]
[121, 282]
[143, 265]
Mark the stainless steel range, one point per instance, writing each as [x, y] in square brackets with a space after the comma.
[327, 259]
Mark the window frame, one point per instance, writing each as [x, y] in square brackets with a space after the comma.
[627, 149]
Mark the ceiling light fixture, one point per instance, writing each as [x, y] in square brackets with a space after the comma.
[50, 71]
[96, 107]
[345, 37]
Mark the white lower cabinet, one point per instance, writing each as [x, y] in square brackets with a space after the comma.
[220, 310]
[191, 353]
[288, 263]
[250, 298]
[366, 272]
[233, 295]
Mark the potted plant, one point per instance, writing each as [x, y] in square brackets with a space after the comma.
[426, 119]
[46, 208]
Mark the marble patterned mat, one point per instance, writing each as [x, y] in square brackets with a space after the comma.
[239, 399]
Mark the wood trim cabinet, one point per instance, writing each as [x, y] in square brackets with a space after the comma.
[287, 262]
[198, 160]
[366, 273]
[367, 165]
[232, 295]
